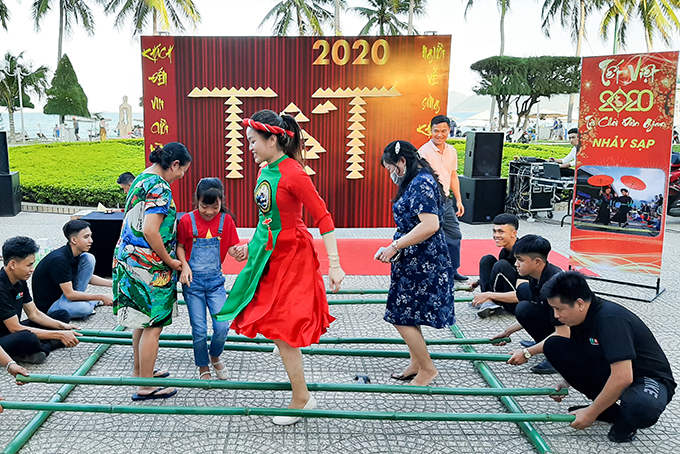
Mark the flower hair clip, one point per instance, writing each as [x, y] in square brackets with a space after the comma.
[397, 148]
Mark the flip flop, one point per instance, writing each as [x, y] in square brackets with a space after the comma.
[154, 395]
[163, 375]
[402, 377]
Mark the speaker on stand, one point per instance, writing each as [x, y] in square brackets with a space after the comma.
[10, 191]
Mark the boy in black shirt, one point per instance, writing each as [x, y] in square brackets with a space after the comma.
[533, 312]
[61, 278]
[32, 340]
[498, 277]
[611, 355]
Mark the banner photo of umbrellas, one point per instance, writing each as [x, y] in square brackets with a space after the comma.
[625, 200]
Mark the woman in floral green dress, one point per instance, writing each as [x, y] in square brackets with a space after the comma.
[144, 285]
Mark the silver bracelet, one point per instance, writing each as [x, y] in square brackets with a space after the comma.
[8, 365]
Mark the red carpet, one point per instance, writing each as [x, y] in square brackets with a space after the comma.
[356, 257]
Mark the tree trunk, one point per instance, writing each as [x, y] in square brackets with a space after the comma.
[648, 40]
[337, 18]
[155, 23]
[410, 17]
[503, 10]
[12, 133]
[61, 29]
[579, 43]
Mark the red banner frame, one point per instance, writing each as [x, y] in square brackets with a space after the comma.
[625, 126]
[351, 95]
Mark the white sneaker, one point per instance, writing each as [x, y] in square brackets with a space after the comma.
[290, 420]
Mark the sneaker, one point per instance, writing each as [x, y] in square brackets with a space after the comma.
[459, 277]
[620, 433]
[544, 368]
[527, 343]
[488, 309]
[33, 358]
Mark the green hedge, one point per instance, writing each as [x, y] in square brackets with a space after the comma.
[76, 173]
[510, 150]
[85, 173]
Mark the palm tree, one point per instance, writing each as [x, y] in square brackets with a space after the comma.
[70, 11]
[168, 14]
[656, 16]
[34, 81]
[384, 14]
[4, 14]
[572, 15]
[503, 7]
[308, 15]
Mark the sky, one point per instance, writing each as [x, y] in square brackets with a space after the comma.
[108, 64]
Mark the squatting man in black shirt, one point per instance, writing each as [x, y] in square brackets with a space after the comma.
[610, 356]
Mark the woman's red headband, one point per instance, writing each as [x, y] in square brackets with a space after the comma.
[265, 127]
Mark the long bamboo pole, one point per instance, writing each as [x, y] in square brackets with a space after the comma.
[276, 386]
[323, 340]
[34, 424]
[311, 350]
[248, 411]
[510, 403]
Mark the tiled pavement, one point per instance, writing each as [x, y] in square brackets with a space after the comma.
[107, 433]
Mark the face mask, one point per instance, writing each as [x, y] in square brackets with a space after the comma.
[397, 179]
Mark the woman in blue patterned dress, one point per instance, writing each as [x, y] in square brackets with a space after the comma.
[421, 289]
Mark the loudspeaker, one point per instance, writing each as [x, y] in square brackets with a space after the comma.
[483, 199]
[483, 154]
[4, 153]
[10, 194]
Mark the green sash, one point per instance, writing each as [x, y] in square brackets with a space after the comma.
[260, 246]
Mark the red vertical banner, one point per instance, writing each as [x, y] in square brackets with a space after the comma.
[159, 59]
[625, 127]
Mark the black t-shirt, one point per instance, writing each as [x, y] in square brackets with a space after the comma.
[12, 300]
[535, 285]
[58, 267]
[507, 255]
[612, 333]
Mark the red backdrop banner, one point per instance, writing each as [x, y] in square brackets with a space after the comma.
[351, 96]
[625, 125]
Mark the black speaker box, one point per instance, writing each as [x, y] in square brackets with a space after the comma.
[4, 153]
[483, 154]
[10, 194]
[483, 199]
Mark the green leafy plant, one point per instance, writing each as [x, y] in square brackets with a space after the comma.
[81, 174]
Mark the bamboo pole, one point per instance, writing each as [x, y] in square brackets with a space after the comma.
[34, 424]
[311, 350]
[248, 411]
[323, 340]
[276, 386]
[510, 403]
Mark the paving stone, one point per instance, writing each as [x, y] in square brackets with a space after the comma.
[163, 434]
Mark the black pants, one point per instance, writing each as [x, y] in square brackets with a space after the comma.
[452, 232]
[641, 403]
[497, 276]
[534, 317]
[25, 342]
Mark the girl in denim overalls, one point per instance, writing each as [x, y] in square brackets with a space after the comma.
[204, 237]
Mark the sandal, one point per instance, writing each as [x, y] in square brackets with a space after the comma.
[200, 377]
[222, 374]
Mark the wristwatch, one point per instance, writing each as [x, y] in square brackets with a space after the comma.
[527, 354]
[394, 244]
